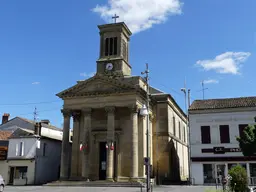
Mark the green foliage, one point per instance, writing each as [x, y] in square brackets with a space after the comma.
[247, 142]
[239, 181]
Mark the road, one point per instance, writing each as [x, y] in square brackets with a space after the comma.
[101, 189]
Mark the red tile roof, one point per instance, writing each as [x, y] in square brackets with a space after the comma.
[4, 135]
[223, 103]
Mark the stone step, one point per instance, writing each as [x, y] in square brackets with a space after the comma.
[96, 184]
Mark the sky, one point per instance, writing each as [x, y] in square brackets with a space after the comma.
[46, 46]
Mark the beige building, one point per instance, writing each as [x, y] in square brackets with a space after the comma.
[106, 121]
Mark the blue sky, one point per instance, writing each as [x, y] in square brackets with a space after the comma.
[46, 46]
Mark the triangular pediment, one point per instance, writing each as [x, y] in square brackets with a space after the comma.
[97, 85]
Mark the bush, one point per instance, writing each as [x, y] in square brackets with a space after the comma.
[239, 180]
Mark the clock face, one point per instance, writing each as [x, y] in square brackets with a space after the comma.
[109, 66]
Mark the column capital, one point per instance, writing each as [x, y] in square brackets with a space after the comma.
[151, 117]
[66, 112]
[76, 115]
[134, 108]
[110, 109]
[87, 111]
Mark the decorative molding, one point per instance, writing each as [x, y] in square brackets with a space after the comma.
[151, 117]
[66, 112]
[76, 115]
[110, 109]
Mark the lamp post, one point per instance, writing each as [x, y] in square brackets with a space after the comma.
[187, 100]
[144, 111]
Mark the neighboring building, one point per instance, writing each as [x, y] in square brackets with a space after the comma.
[4, 136]
[105, 110]
[214, 125]
[33, 152]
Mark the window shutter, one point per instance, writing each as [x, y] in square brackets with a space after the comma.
[17, 149]
[22, 151]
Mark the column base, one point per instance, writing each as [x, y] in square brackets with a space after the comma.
[63, 178]
[134, 179]
[110, 180]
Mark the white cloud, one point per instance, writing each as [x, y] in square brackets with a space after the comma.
[36, 83]
[87, 74]
[139, 15]
[210, 81]
[229, 62]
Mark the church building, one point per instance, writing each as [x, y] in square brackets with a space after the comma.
[109, 134]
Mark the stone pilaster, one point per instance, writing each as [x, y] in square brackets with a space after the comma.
[75, 144]
[151, 119]
[110, 140]
[65, 155]
[86, 143]
[134, 142]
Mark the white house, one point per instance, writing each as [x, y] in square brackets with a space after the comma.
[214, 125]
[33, 152]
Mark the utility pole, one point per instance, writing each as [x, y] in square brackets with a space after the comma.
[187, 101]
[35, 115]
[146, 72]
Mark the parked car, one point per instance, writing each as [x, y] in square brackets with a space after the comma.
[2, 184]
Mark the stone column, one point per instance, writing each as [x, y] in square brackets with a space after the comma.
[134, 142]
[86, 143]
[110, 139]
[65, 155]
[75, 144]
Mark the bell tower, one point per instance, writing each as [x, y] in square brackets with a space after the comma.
[114, 49]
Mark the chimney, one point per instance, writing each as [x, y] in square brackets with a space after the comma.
[37, 130]
[5, 118]
[45, 121]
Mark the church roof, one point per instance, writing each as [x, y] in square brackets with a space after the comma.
[223, 103]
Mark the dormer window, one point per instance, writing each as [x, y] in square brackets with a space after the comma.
[111, 46]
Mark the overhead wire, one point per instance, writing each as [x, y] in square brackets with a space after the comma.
[35, 103]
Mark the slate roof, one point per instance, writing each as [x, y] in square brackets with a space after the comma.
[223, 103]
[43, 124]
[4, 135]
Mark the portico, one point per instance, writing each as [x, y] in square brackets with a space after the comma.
[116, 128]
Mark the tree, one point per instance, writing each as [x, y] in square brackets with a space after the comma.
[238, 181]
[247, 142]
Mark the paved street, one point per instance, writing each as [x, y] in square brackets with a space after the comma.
[94, 189]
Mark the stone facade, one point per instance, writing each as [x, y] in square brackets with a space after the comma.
[106, 121]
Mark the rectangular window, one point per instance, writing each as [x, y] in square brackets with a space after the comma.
[184, 130]
[21, 149]
[20, 172]
[111, 46]
[205, 134]
[115, 45]
[224, 134]
[106, 46]
[174, 126]
[44, 149]
[179, 131]
[241, 129]
[209, 173]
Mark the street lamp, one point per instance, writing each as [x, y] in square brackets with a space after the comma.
[144, 111]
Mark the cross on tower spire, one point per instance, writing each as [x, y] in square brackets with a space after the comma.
[115, 17]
